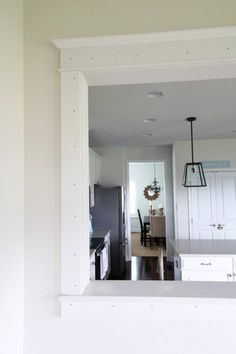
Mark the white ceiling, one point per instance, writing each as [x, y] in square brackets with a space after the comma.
[117, 113]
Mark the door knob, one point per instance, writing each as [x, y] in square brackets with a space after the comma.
[220, 226]
[214, 225]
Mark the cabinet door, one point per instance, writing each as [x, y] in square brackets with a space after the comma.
[207, 263]
[206, 276]
[97, 169]
[91, 177]
[234, 268]
[177, 269]
[207, 268]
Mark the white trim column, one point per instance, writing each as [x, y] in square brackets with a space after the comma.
[74, 183]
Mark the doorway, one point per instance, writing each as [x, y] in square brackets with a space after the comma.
[144, 254]
[142, 174]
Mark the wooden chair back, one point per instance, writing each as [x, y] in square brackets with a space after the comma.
[157, 226]
[140, 220]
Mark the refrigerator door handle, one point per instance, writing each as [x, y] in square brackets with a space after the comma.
[123, 217]
[125, 242]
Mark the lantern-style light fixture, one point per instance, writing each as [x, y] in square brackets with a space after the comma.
[193, 171]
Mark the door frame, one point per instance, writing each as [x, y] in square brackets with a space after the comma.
[141, 58]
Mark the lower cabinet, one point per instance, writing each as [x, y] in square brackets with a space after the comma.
[177, 267]
[206, 276]
[234, 268]
[208, 268]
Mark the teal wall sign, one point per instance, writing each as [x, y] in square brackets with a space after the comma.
[216, 164]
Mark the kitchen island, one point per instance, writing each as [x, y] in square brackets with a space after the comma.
[204, 260]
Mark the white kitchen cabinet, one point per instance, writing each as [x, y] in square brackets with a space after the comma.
[91, 178]
[206, 263]
[234, 268]
[206, 268]
[206, 276]
[95, 169]
[205, 260]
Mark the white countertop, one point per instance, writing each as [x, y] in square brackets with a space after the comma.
[155, 289]
[204, 247]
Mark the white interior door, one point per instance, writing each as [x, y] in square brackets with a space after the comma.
[212, 209]
[202, 209]
[226, 204]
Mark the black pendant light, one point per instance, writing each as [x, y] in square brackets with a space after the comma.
[193, 171]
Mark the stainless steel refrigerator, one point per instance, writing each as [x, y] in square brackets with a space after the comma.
[108, 212]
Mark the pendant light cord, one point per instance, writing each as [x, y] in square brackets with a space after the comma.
[192, 140]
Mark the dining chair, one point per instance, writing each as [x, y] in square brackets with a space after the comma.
[157, 230]
[144, 235]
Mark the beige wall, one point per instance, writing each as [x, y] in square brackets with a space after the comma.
[44, 20]
[69, 18]
[12, 178]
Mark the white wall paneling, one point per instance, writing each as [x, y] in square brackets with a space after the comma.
[74, 183]
[152, 57]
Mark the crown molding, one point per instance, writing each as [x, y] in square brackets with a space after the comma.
[145, 38]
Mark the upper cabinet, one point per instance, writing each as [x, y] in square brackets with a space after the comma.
[95, 170]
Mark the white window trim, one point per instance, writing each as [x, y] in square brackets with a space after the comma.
[143, 58]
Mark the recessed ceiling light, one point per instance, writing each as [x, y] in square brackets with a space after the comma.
[150, 120]
[147, 134]
[154, 94]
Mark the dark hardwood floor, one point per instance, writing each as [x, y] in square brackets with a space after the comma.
[144, 268]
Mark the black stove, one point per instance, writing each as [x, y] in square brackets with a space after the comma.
[96, 243]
